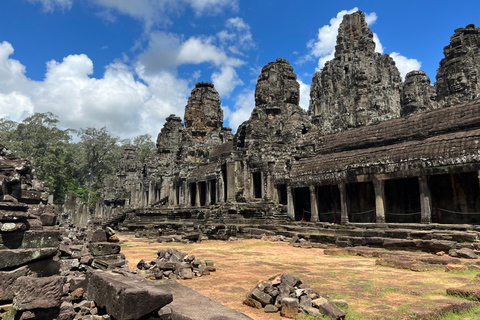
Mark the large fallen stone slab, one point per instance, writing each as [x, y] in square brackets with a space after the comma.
[125, 296]
[37, 293]
[471, 291]
[188, 304]
[30, 239]
[18, 257]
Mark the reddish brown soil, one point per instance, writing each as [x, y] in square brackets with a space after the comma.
[372, 291]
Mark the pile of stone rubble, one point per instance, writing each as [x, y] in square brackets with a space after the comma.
[98, 249]
[174, 264]
[291, 297]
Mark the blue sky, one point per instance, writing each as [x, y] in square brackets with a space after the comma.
[128, 64]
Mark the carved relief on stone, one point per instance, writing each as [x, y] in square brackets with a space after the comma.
[418, 95]
[458, 77]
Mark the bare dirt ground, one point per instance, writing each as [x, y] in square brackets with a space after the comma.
[372, 291]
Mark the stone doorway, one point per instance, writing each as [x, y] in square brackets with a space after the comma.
[361, 202]
[402, 201]
[455, 198]
[328, 198]
[301, 200]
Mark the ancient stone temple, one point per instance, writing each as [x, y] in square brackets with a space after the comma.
[372, 148]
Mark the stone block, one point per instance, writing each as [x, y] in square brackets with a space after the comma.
[12, 226]
[96, 236]
[290, 308]
[103, 248]
[48, 219]
[30, 239]
[7, 278]
[18, 257]
[37, 293]
[261, 296]
[328, 309]
[125, 296]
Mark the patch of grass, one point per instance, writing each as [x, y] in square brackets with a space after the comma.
[470, 314]
[255, 244]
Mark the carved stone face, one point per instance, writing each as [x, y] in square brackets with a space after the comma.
[457, 82]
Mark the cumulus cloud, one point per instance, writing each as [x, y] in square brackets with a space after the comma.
[118, 100]
[51, 5]
[244, 104]
[15, 106]
[404, 64]
[226, 80]
[304, 94]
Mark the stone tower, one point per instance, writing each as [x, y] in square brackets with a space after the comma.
[458, 77]
[418, 95]
[359, 86]
[277, 115]
[203, 111]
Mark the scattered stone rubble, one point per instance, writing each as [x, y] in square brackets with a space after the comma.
[173, 264]
[291, 297]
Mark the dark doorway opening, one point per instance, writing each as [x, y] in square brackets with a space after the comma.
[329, 209]
[361, 202]
[193, 194]
[282, 194]
[455, 198]
[203, 193]
[257, 184]
[213, 191]
[225, 182]
[402, 201]
[302, 206]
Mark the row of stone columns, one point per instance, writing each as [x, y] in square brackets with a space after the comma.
[379, 187]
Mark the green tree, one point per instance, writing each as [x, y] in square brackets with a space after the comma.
[39, 139]
[98, 157]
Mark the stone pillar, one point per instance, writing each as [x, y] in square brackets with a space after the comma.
[379, 186]
[313, 205]
[230, 181]
[425, 200]
[220, 188]
[151, 193]
[343, 203]
[270, 182]
[208, 193]
[197, 194]
[290, 204]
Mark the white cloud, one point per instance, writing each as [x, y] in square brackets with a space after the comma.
[158, 12]
[404, 64]
[226, 80]
[51, 5]
[244, 104]
[304, 94]
[236, 36]
[323, 48]
[127, 106]
[15, 106]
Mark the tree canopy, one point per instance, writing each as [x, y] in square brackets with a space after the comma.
[64, 165]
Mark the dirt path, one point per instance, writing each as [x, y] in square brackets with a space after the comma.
[373, 292]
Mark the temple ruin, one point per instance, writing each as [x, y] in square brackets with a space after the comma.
[371, 148]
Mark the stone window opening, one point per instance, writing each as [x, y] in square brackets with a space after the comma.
[402, 201]
[328, 201]
[213, 191]
[282, 194]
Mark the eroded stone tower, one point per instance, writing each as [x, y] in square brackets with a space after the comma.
[359, 86]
